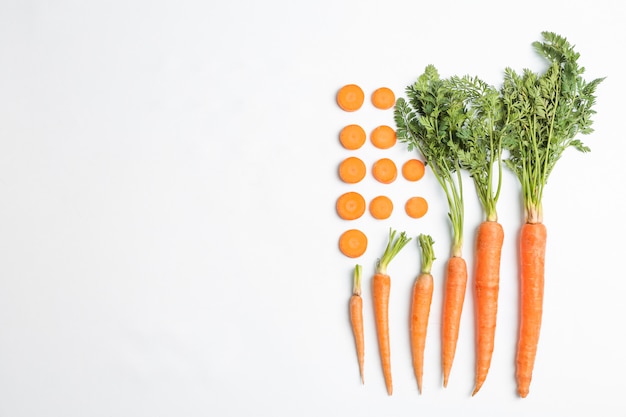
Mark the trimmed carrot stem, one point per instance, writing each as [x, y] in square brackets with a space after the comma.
[533, 239]
[456, 282]
[489, 241]
[356, 319]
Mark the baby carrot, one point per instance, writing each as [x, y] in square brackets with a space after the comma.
[352, 137]
[356, 319]
[383, 98]
[353, 243]
[420, 308]
[381, 285]
[350, 97]
[352, 170]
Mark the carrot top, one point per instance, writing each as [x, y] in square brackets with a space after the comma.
[356, 280]
[430, 120]
[428, 254]
[394, 246]
[547, 111]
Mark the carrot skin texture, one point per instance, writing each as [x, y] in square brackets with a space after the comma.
[533, 239]
[489, 240]
[381, 286]
[456, 282]
[420, 309]
[356, 320]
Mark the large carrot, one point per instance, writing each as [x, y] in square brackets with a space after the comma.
[481, 157]
[433, 120]
[356, 319]
[381, 286]
[420, 308]
[547, 111]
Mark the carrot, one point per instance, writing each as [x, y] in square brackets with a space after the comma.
[356, 319]
[416, 207]
[548, 111]
[532, 257]
[352, 137]
[381, 207]
[353, 243]
[420, 308]
[352, 170]
[456, 281]
[350, 205]
[384, 170]
[383, 98]
[350, 97]
[381, 285]
[413, 170]
[383, 137]
[486, 286]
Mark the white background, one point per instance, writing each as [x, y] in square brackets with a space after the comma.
[168, 238]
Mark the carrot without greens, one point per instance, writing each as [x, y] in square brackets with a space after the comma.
[381, 286]
[480, 155]
[547, 111]
[421, 300]
[431, 121]
[356, 319]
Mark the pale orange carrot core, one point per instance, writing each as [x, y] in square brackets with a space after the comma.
[533, 237]
[353, 243]
[384, 170]
[383, 137]
[381, 207]
[350, 97]
[383, 98]
[352, 137]
[416, 207]
[489, 239]
[352, 170]
[350, 205]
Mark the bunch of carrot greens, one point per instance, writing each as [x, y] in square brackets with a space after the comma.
[462, 123]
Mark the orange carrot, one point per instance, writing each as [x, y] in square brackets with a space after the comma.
[456, 282]
[381, 285]
[420, 308]
[352, 137]
[486, 286]
[413, 170]
[416, 207]
[350, 205]
[353, 243]
[352, 170]
[533, 239]
[385, 171]
[350, 97]
[383, 98]
[356, 319]
[381, 207]
[383, 137]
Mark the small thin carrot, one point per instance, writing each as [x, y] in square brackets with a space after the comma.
[381, 207]
[383, 98]
[356, 319]
[533, 237]
[350, 97]
[353, 243]
[381, 286]
[352, 170]
[420, 307]
[456, 281]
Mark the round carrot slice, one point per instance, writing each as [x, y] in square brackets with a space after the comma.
[383, 98]
[416, 207]
[352, 170]
[385, 171]
[381, 207]
[383, 137]
[352, 137]
[350, 206]
[350, 97]
[353, 243]
[413, 170]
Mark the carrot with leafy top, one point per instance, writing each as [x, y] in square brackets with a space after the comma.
[421, 300]
[381, 286]
[356, 319]
[547, 112]
[431, 120]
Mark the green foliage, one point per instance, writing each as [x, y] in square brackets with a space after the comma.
[546, 112]
[428, 253]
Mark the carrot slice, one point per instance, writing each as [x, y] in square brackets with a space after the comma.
[383, 137]
[416, 207]
[352, 170]
[381, 207]
[350, 206]
[353, 243]
[413, 170]
[385, 171]
[352, 137]
[383, 98]
[350, 97]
